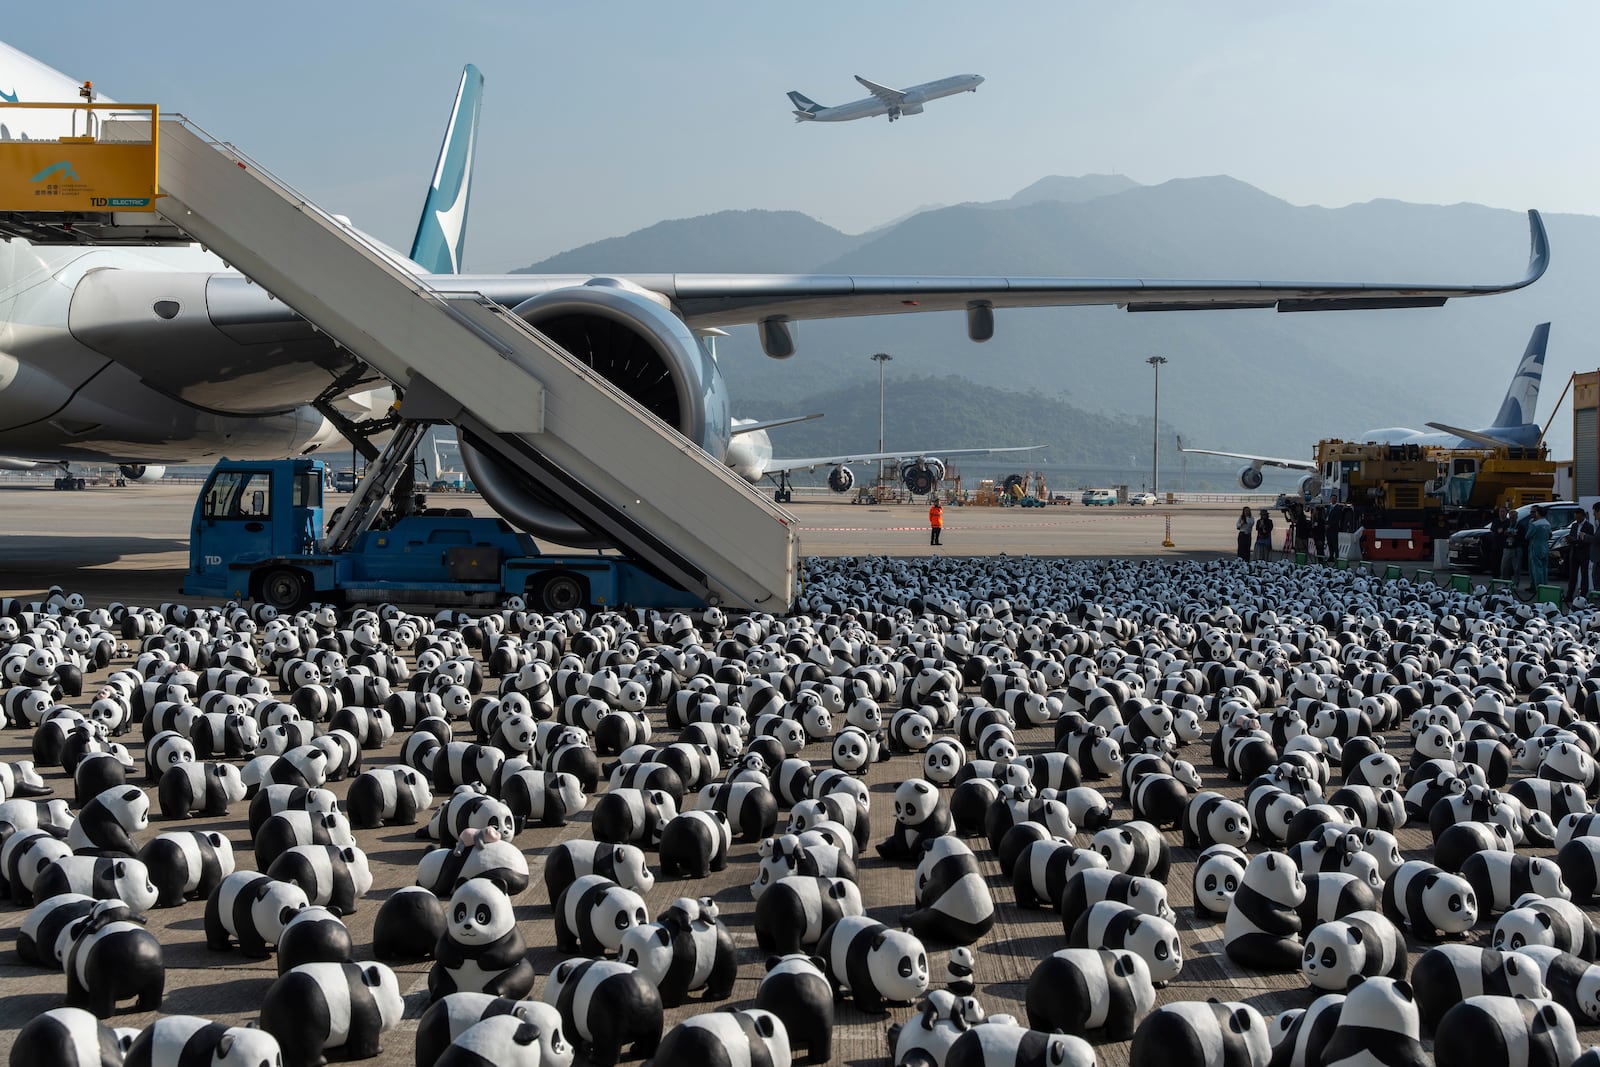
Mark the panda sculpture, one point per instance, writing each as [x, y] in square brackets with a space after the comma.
[796, 910]
[953, 903]
[284, 830]
[186, 864]
[695, 843]
[101, 877]
[1192, 1033]
[476, 854]
[1432, 904]
[446, 1020]
[24, 856]
[1077, 990]
[1135, 848]
[66, 1036]
[799, 994]
[872, 963]
[624, 864]
[920, 815]
[686, 949]
[1334, 895]
[785, 854]
[1379, 1021]
[482, 950]
[252, 909]
[1300, 1035]
[1537, 1033]
[409, 925]
[39, 940]
[999, 1043]
[113, 958]
[604, 1006]
[1211, 819]
[1363, 943]
[725, 1039]
[208, 789]
[941, 1017]
[497, 1041]
[320, 1006]
[1110, 925]
[1550, 921]
[1092, 885]
[593, 913]
[332, 876]
[1499, 878]
[105, 826]
[1448, 974]
[1218, 873]
[387, 796]
[179, 1040]
[313, 935]
[632, 816]
[1262, 930]
[1571, 982]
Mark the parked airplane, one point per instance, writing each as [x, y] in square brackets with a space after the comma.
[884, 100]
[1513, 424]
[141, 355]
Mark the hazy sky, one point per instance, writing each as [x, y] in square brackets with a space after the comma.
[601, 118]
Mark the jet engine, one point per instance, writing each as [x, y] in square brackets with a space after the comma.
[840, 479]
[142, 472]
[629, 336]
[1310, 487]
[1250, 477]
[922, 476]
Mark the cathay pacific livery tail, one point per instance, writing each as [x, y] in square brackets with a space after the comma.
[1513, 424]
[884, 100]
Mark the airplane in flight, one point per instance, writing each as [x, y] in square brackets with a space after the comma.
[884, 100]
[117, 348]
[1513, 424]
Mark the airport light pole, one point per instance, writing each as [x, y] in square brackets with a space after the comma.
[880, 358]
[1155, 432]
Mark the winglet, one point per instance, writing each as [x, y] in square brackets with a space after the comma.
[442, 231]
[1538, 250]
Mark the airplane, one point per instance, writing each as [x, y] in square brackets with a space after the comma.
[884, 100]
[1513, 424]
[137, 353]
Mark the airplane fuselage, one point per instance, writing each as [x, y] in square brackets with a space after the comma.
[915, 97]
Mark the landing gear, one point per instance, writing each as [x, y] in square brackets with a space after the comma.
[784, 493]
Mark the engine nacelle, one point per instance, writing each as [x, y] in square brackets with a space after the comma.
[1310, 487]
[1250, 477]
[922, 476]
[840, 479]
[142, 472]
[630, 337]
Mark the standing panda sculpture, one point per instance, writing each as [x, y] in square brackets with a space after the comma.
[448, 1019]
[593, 914]
[800, 995]
[1379, 1021]
[953, 903]
[318, 1006]
[1364, 943]
[1262, 930]
[1202, 1034]
[725, 1039]
[604, 1006]
[872, 963]
[1076, 990]
[482, 950]
[686, 949]
[995, 1043]
[66, 1036]
[179, 1040]
[113, 958]
[409, 925]
[1536, 1033]
[252, 909]
[1431, 903]
[1135, 848]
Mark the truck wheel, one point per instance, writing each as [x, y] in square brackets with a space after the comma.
[285, 589]
[561, 592]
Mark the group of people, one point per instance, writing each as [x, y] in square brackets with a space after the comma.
[1312, 531]
[1512, 540]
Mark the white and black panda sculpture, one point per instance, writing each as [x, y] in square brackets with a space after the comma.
[409, 925]
[999, 1044]
[1490, 1029]
[186, 864]
[447, 1019]
[1550, 921]
[1135, 848]
[1363, 943]
[333, 876]
[920, 815]
[871, 963]
[1202, 1034]
[795, 911]
[1448, 974]
[695, 843]
[952, 900]
[1379, 1021]
[1262, 930]
[66, 1036]
[313, 935]
[1431, 903]
[113, 958]
[320, 1006]
[594, 913]
[725, 1039]
[1212, 818]
[686, 949]
[1218, 873]
[606, 1005]
[482, 950]
[1078, 990]
[1499, 878]
[797, 992]
[1111, 925]
[179, 1040]
[387, 796]
[568, 861]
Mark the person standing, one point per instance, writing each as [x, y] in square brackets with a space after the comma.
[1516, 546]
[1579, 547]
[1499, 537]
[1594, 550]
[1245, 526]
[1264, 535]
[935, 521]
[1539, 548]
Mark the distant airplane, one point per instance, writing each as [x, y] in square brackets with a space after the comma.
[1512, 426]
[884, 100]
[749, 455]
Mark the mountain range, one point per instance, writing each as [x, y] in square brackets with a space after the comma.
[1253, 381]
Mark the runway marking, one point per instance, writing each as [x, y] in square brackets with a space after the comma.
[974, 525]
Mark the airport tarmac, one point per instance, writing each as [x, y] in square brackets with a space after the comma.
[129, 544]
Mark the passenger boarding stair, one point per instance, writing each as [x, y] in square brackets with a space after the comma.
[464, 359]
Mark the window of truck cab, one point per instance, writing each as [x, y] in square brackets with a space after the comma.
[239, 494]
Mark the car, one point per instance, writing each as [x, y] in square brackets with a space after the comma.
[1469, 549]
[1100, 497]
[1146, 499]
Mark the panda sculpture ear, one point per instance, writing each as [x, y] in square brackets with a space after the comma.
[1403, 988]
[224, 1046]
[1543, 919]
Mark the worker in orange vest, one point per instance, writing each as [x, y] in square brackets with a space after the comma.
[935, 520]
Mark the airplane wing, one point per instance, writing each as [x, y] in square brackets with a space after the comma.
[1264, 461]
[1477, 437]
[777, 465]
[742, 299]
[751, 426]
[886, 96]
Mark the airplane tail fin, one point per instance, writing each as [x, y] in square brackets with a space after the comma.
[442, 231]
[804, 106]
[1522, 397]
